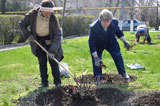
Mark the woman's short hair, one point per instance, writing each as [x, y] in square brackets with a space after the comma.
[105, 15]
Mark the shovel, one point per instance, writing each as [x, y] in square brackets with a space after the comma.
[75, 79]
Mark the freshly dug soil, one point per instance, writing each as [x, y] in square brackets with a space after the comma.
[147, 99]
[88, 95]
[114, 79]
[65, 97]
[98, 97]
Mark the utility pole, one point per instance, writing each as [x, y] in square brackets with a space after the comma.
[157, 18]
[122, 11]
[132, 16]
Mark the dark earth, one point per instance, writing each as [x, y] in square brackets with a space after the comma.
[88, 93]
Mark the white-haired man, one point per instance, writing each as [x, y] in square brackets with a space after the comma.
[103, 36]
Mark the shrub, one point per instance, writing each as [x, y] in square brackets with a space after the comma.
[76, 24]
[73, 25]
[9, 28]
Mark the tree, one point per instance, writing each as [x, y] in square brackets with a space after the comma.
[123, 4]
[146, 14]
[132, 16]
[18, 5]
[117, 4]
[3, 7]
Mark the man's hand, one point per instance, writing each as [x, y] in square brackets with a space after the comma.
[126, 45]
[98, 62]
[51, 56]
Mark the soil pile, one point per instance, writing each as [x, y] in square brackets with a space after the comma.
[88, 95]
[147, 99]
[66, 97]
[114, 79]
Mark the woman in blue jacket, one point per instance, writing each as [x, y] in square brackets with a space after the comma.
[103, 34]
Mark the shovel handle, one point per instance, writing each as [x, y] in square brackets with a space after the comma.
[41, 46]
[54, 59]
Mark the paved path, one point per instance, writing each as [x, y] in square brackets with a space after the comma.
[19, 45]
[12, 46]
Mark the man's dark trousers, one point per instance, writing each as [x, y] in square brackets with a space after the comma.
[42, 58]
[114, 51]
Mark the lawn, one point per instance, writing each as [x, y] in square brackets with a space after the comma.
[20, 70]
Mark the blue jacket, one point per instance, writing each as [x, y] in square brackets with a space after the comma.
[99, 39]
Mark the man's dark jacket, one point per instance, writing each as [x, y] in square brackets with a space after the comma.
[100, 39]
[29, 21]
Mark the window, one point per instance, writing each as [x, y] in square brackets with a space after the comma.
[135, 21]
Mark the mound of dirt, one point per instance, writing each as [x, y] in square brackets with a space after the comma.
[66, 97]
[96, 97]
[147, 99]
[108, 79]
[87, 95]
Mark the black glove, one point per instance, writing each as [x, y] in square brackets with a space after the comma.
[127, 45]
[98, 62]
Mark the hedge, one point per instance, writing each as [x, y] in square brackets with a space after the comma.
[9, 30]
[76, 24]
[73, 25]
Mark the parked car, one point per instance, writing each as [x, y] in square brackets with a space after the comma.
[126, 24]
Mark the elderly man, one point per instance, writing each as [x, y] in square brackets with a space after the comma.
[103, 34]
[142, 30]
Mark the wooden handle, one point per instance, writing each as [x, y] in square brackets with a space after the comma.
[54, 58]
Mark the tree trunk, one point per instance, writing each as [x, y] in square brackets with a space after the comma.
[62, 21]
[3, 6]
[132, 16]
[116, 6]
[157, 18]
[122, 12]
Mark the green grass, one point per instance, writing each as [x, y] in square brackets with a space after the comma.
[20, 70]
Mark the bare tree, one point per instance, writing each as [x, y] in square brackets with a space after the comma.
[117, 4]
[146, 14]
[132, 15]
[58, 3]
[157, 17]
[3, 2]
[122, 13]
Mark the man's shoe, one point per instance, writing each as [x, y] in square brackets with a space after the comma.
[43, 86]
[125, 76]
